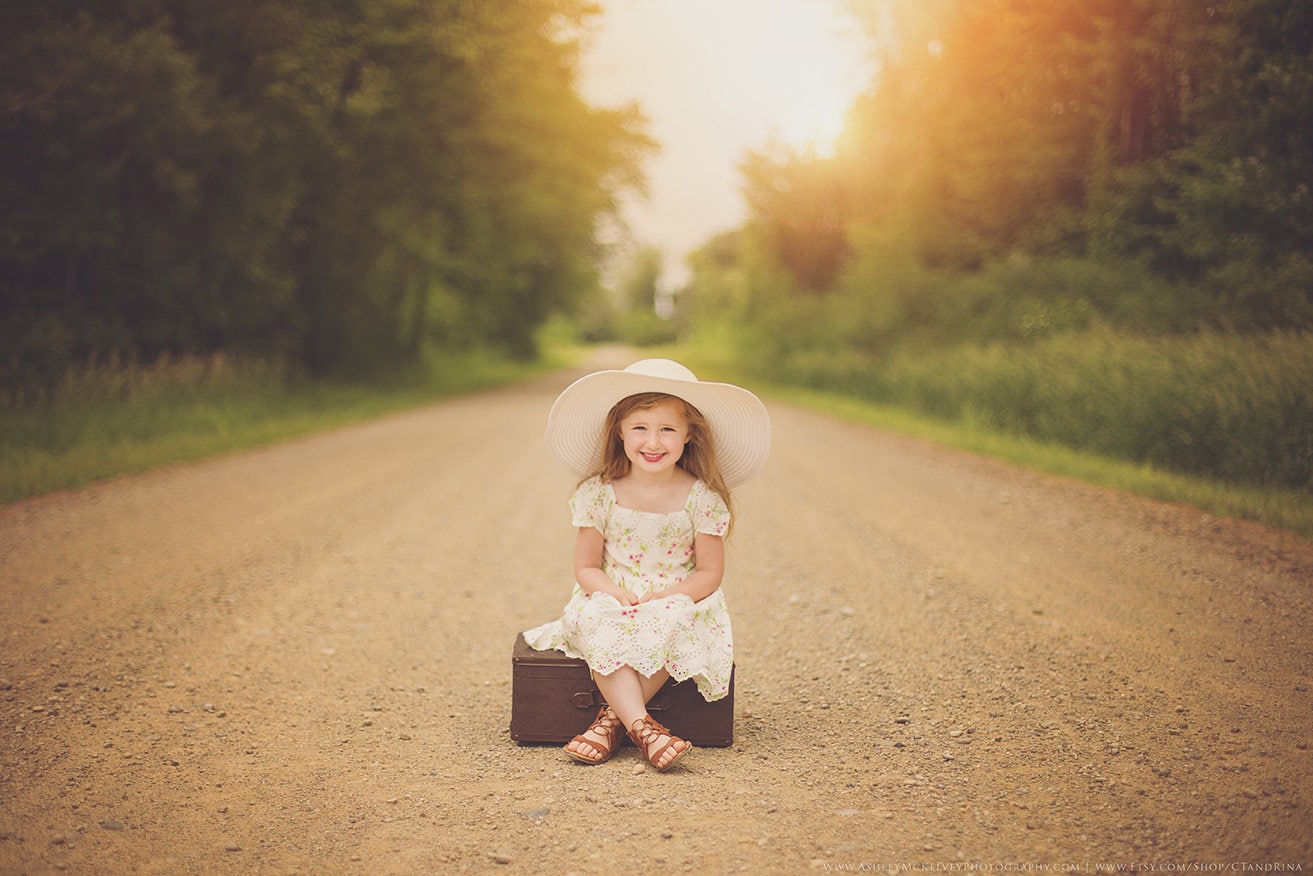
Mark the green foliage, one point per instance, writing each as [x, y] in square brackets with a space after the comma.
[1236, 408]
[635, 299]
[1087, 223]
[723, 283]
[343, 185]
[637, 285]
[800, 204]
[117, 417]
[1177, 136]
[643, 328]
[1231, 407]
[1284, 508]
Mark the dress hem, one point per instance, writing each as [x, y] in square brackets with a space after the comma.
[700, 680]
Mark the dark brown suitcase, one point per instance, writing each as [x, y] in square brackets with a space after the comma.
[553, 699]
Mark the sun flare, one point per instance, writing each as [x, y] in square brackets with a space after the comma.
[804, 74]
[809, 119]
[717, 78]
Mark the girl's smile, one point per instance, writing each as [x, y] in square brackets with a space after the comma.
[654, 438]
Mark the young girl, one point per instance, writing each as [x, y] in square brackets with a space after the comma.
[658, 451]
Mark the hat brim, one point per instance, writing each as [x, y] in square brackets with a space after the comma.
[740, 426]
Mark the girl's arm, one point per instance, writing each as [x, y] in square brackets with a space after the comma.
[588, 567]
[709, 553]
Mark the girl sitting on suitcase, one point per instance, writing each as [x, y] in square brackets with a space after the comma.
[658, 451]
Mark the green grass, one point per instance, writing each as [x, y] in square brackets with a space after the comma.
[1285, 509]
[115, 419]
[1237, 408]
[1282, 508]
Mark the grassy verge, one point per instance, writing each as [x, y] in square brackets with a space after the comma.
[112, 420]
[1285, 509]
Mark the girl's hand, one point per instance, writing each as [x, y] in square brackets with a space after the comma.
[624, 597]
[656, 595]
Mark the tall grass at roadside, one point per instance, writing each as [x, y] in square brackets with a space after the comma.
[1236, 408]
[1233, 407]
[112, 418]
[1286, 509]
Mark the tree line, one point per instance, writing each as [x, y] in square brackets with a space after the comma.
[1085, 222]
[1024, 166]
[343, 185]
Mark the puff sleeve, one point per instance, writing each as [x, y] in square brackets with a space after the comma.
[590, 505]
[709, 512]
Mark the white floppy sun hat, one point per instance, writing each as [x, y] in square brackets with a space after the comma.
[740, 426]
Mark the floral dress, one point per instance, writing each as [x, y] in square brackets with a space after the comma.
[644, 552]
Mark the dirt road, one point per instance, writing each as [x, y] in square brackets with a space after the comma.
[297, 660]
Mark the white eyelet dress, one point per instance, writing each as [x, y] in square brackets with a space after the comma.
[645, 552]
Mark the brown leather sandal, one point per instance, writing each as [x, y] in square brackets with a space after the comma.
[645, 733]
[605, 725]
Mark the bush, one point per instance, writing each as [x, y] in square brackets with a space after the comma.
[643, 328]
[1237, 408]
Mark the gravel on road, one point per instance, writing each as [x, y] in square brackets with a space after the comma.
[297, 660]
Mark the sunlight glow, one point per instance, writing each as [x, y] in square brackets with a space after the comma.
[717, 78]
[794, 63]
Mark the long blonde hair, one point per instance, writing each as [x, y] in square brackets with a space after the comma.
[698, 459]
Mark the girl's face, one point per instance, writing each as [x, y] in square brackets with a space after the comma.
[654, 437]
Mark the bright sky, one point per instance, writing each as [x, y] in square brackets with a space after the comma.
[715, 79]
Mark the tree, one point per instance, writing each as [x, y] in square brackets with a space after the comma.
[800, 203]
[343, 183]
[1221, 200]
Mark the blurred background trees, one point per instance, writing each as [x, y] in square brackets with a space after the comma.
[1171, 139]
[1083, 221]
[343, 185]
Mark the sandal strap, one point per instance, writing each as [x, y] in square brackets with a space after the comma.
[647, 726]
[645, 732]
[603, 725]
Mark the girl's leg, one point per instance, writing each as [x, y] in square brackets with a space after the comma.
[652, 683]
[623, 692]
[627, 693]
